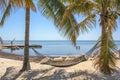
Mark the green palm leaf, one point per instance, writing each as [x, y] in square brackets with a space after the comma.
[64, 18]
[16, 3]
[6, 14]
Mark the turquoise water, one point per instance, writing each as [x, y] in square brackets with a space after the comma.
[58, 48]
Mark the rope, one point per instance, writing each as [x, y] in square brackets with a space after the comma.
[39, 54]
[92, 49]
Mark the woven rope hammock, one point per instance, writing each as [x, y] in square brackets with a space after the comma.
[65, 63]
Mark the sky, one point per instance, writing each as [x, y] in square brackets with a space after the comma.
[42, 28]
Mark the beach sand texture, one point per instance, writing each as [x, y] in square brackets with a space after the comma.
[9, 70]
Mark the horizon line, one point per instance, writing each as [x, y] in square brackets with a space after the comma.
[57, 40]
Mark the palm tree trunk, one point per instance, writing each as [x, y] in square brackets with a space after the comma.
[26, 63]
[105, 56]
[102, 56]
[103, 26]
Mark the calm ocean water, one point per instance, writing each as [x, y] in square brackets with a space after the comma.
[58, 48]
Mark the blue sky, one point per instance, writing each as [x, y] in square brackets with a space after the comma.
[41, 28]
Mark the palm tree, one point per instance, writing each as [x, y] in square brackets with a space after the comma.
[26, 63]
[63, 13]
[27, 4]
[106, 59]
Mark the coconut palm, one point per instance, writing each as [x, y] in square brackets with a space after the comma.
[63, 13]
[106, 59]
[26, 63]
[27, 4]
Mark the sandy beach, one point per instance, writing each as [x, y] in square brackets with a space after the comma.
[83, 71]
[59, 39]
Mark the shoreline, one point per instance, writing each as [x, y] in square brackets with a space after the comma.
[7, 55]
[11, 64]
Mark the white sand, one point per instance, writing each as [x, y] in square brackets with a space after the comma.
[9, 69]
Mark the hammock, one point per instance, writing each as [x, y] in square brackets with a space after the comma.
[65, 63]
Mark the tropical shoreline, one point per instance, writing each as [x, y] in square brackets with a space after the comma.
[11, 64]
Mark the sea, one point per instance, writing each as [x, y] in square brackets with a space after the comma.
[57, 47]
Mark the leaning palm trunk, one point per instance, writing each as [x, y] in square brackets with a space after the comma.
[26, 63]
[105, 60]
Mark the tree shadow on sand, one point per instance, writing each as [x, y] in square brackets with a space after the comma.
[78, 75]
[85, 75]
[63, 75]
[34, 73]
[56, 74]
[12, 74]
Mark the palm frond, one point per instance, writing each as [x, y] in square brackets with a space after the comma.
[46, 9]
[117, 2]
[87, 23]
[83, 7]
[55, 9]
[23, 3]
[5, 14]
[16, 3]
[69, 28]
[112, 22]
[64, 18]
